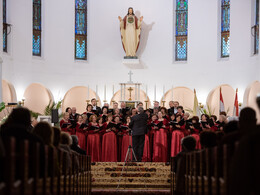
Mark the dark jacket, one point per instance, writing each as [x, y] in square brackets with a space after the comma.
[138, 124]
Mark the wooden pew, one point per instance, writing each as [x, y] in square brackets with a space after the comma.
[49, 173]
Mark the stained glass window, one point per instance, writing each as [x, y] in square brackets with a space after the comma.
[37, 28]
[81, 29]
[256, 29]
[225, 28]
[4, 27]
[181, 30]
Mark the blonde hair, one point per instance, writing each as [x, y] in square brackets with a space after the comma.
[91, 117]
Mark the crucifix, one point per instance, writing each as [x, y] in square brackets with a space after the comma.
[130, 76]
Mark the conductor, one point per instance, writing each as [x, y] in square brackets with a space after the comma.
[138, 125]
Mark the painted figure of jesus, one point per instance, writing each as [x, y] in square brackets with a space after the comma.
[130, 28]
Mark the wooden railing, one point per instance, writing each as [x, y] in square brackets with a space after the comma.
[206, 172]
[35, 169]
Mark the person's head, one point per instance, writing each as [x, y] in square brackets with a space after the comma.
[223, 113]
[93, 118]
[123, 105]
[214, 118]
[154, 117]
[148, 113]
[155, 110]
[186, 116]
[171, 104]
[45, 132]
[104, 110]
[75, 140]
[68, 109]
[180, 109]
[133, 111]
[204, 117]
[56, 136]
[117, 119]
[128, 119]
[84, 118]
[140, 110]
[93, 102]
[222, 118]
[73, 110]
[116, 111]
[89, 108]
[65, 138]
[100, 120]
[156, 104]
[66, 115]
[230, 127]
[178, 118]
[19, 116]
[247, 119]
[195, 119]
[163, 110]
[80, 118]
[188, 143]
[130, 11]
[160, 116]
[173, 117]
[109, 117]
[258, 102]
[140, 104]
[208, 139]
[34, 122]
[106, 105]
[115, 105]
[176, 104]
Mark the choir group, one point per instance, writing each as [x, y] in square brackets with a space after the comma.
[104, 133]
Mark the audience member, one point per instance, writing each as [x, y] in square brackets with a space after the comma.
[45, 132]
[75, 146]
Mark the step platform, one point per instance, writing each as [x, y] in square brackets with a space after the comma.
[135, 176]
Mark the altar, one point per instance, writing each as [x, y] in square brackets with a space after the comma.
[130, 92]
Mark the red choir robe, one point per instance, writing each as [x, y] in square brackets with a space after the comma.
[176, 137]
[93, 142]
[160, 143]
[66, 129]
[109, 145]
[81, 134]
[146, 153]
[151, 132]
[119, 137]
[125, 142]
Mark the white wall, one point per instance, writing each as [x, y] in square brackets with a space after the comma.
[58, 70]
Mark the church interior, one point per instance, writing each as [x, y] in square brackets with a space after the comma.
[76, 75]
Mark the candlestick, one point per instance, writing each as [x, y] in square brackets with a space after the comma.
[146, 104]
[139, 92]
[135, 92]
[113, 91]
[96, 92]
[163, 93]
[105, 93]
[121, 92]
[124, 92]
[88, 93]
[146, 93]
[155, 93]
[163, 103]
[172, 92]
